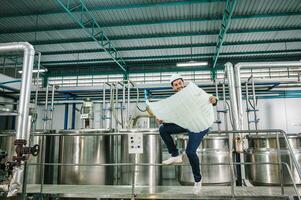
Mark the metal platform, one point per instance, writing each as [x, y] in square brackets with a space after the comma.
[159, 192]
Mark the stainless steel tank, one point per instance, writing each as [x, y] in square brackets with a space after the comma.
[96, 149]
[213, 149]
[34, 171]
[263, 148]
[144, 175]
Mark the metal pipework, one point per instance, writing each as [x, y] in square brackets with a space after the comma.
[46, 109]
[237, 68]
[233, 100]
[23, 110]
[52, 106]
[218, 118]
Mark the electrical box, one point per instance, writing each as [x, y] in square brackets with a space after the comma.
[135, 143]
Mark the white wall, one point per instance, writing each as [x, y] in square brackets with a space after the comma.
[274, 114]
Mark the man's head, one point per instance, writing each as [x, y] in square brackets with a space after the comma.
[176, 82]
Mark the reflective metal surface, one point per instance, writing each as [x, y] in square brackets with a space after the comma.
[145, 175]
[213, 149]
[86, 150]
[263, 148]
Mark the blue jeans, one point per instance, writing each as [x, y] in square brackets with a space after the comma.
[194, 140]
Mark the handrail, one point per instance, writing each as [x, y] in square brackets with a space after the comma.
[296, 165]
[179, 164]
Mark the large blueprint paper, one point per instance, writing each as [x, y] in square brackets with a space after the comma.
[189, 108]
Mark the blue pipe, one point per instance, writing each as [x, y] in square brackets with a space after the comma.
[66, 116]
[73, 114]
[12, 81]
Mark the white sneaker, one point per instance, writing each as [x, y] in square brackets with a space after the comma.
[197, 187]
[171, 160]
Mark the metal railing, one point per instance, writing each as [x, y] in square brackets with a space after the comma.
[133, 185]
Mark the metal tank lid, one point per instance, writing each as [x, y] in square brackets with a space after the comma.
[139, 130]
[39, 131]
[273, 135]
[83, 131]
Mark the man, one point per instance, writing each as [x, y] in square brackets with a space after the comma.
[194, 139]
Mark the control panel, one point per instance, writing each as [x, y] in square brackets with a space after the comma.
[135, 143]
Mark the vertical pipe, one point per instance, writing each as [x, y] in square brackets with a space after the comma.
[218, 118]
[116, 106]
[111, 106]
[52, 106]
[247, 104]
[239, 98]
[254, 103]
[38, 77]
[233, 100]
[225, 107]
[66, 116]
[46, 109]
[232, 92]
[25, 91]
[123, 106]
[103, 111]
[73, 114]
[128, 103]
[23, 118]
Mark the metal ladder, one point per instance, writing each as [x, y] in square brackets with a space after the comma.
[251, 104]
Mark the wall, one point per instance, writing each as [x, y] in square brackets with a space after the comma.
[274, 114]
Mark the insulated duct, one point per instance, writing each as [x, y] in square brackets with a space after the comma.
[23, 110]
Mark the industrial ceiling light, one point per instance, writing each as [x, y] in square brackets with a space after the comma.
[35, 71]
[192, 64]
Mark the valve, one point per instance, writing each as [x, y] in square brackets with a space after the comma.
[23, 152]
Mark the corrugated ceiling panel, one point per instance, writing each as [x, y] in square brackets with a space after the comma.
[271, 22]
[266, 6]
[74, 57]
[263, 36]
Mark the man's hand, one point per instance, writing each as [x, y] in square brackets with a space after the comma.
[213, 99]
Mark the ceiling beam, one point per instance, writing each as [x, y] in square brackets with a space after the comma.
[95, 33]
[137, 67]
[37, 29]
[179, 46]
[113, 7]
[175, 57]
[166, 35]
[228, 12]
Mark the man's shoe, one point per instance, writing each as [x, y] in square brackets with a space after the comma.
[171, 160]
[197, 187]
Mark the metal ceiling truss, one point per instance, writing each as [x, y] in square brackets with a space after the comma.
[165, 35]
[228, 12]
[175, 57]
[176, 46]
[37, 29]
[84, 18]
[116, 7]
